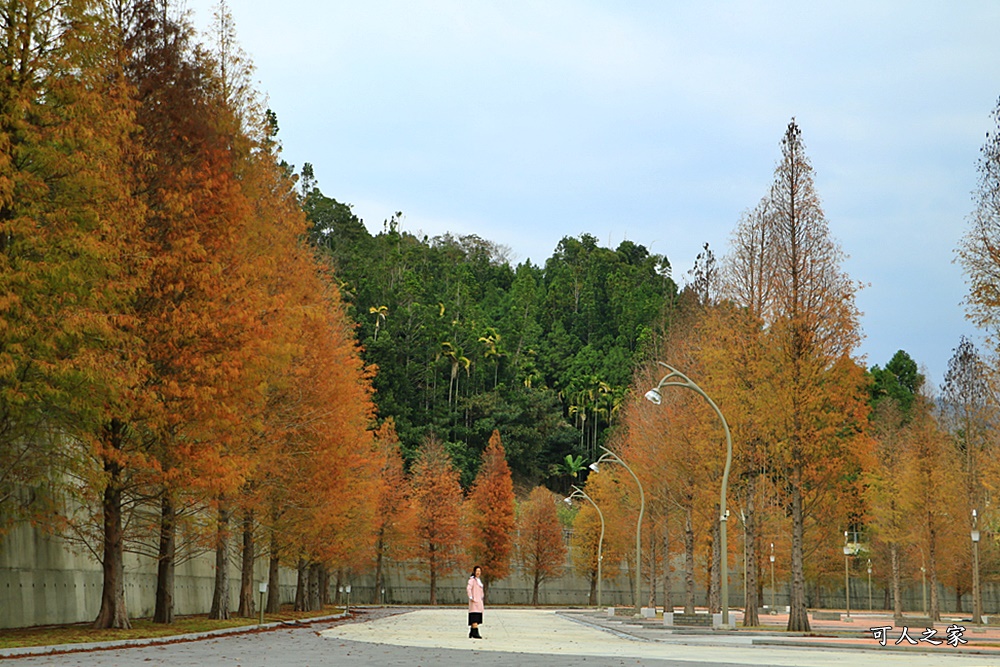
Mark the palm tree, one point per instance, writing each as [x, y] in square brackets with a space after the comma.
[379, 312]
[492, 342]
[571, 466]
[458, 360]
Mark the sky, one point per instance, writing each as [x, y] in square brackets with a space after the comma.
[658, 122]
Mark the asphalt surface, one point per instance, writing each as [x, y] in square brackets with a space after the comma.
[546, 638]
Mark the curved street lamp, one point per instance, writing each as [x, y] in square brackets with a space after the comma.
[579, 493]
[608, 454]
[674, 378]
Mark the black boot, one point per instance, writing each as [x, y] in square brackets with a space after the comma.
[472, 632]
[475, 633]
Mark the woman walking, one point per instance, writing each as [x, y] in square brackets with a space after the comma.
[475, 591]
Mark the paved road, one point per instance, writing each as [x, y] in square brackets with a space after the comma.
[513, 637]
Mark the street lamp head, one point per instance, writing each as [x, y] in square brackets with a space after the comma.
[653, 396]
[568, 501]
[593, 466]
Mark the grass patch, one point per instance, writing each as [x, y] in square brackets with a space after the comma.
[143, 628]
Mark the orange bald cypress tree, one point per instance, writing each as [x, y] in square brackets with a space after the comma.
[394, 515]
[540, 545]
[677, 448]
[619, 533]
[815, 392]
[437, 498]
[316, 471]
[490, 511]
[71, 261]
[201, 311]
[931, 486]
[341, 485]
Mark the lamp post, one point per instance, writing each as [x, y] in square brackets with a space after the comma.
[579, 493]
[773, 610]
[743, 518]
[677, 379]
[869, 584]
[977, 613]
[923, 584]
[608, 454]
[847, 576]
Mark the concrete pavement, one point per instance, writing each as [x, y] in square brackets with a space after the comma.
[586, 634]
[536, 637]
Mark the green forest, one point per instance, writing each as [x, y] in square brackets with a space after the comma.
[466, 343]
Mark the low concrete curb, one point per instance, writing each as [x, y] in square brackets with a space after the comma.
[153, 641]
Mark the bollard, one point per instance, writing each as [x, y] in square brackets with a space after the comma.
[263, 589]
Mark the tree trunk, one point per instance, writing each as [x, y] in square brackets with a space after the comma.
[164, 610]
[314, 583]
[220, 594]
[274, 577]
[379, 556]
[246, 608]
[534, 590]
[932, 567]
[688, 562]
[302, 586]
[433, 568]
[751, 602]
[798, 617]
[593, 587]
[324, 586]
[113, 612]
[897, 597]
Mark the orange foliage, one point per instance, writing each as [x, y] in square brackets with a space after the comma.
[677, 448]
[541, 548]
[619, 536]
[490, 511]
[932, 491]
[321, 467]
[394, 516]
[437, 497]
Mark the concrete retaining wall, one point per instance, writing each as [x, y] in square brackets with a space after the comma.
[43, 582]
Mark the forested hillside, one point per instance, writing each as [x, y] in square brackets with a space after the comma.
[465, 342]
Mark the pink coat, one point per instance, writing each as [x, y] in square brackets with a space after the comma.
[475, 591]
